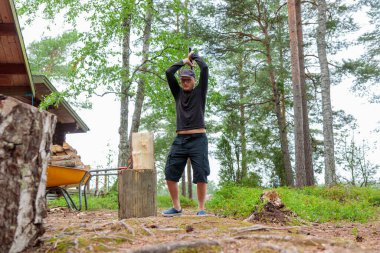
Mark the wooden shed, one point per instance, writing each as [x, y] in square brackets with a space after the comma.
[15, 76]
[17, 81]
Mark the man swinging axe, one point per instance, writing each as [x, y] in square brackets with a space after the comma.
[191, 141]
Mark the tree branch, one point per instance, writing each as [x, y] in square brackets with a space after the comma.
[242, 34]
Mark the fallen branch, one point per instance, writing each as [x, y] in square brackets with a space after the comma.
[113, 238]
[147, 231]
[106, 246]
[129, 228]
[260, 228]
[305, 241]
[168, 247]
[278, 248]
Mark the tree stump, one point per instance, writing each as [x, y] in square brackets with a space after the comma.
[137, 186]
[271, 210]
[25, 137]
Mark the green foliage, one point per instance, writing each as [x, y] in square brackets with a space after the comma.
[164, 201]
[110, 201]
[232, 200]
[315, 204]
[365, 69]
[50, 56]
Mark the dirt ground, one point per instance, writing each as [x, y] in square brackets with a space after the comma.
[101, 231]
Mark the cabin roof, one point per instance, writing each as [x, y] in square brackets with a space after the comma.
[15, 75]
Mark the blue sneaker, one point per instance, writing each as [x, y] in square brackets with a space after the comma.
[201, 212]
[172, 212]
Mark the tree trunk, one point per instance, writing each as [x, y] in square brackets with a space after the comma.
[105, 187]
[136, 118]
[124, 97]
[26, 134]
[282, 174]
[328, 134]
[189, 178]
[138, 198]
[96, 185]
[309, 171]
[281, 121]
[243, 138]
[298, 94]
[183, 183]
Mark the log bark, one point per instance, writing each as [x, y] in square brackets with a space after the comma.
[25, 137]
[137, 193]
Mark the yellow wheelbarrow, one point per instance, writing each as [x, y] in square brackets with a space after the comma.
[58, 176]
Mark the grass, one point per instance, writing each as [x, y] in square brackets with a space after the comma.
[315, 204]
[110, 202]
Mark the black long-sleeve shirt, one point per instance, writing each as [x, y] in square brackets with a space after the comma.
[190, 106]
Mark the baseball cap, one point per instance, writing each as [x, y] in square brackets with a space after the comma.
[187, 72]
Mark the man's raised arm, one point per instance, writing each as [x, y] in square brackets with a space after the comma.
[172, 81]
[203, 78]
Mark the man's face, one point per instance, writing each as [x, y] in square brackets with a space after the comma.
[188, 83]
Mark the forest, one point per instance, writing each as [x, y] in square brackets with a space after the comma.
[296, 170]
[126, 46]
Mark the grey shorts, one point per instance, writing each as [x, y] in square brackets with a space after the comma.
[193, 146]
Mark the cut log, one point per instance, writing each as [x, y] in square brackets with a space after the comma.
[137, 187]
[57, 149]
[142, 150]
[60, 158]
[25, 137]
[137, 193]
[66, 146]
[59, 154]
[71, 153]
[64, 163]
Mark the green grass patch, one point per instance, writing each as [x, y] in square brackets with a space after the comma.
[165, 201]
[315, 204]
[110, 201]
[234, 201]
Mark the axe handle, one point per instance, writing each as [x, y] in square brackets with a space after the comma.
[189, 59]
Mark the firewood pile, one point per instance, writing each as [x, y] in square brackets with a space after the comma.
[65, 156]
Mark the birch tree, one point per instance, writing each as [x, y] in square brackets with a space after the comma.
[328, 133]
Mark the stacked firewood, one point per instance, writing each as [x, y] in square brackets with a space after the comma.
[65, 156]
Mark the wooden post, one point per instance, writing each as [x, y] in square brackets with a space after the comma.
[26, 134]
[105, 187]
[137, 186]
